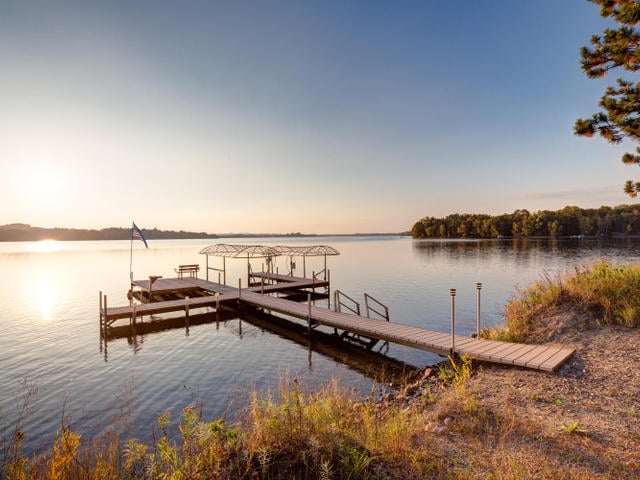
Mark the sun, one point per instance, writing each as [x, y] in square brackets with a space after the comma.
[40, 183]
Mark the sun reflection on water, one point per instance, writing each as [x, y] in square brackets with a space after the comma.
[46, 246]
[46, 298]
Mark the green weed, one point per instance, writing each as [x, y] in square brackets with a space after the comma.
[573, 428]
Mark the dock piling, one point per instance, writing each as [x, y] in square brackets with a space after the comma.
[101, 319]
[309, 314]
[104, 320]
[186, 306]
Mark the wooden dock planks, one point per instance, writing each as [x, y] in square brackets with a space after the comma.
[540, 357]
[117, 313]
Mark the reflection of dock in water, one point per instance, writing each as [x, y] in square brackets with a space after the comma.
[187, 293]
[368, 362]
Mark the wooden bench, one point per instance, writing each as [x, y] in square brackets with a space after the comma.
[191, 270]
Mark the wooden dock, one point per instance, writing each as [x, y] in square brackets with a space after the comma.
[539, 357]
[201, 293]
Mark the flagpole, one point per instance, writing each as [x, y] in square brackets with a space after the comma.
[137, 233]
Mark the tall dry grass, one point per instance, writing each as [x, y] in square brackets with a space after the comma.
[289, 433]
[330, 433]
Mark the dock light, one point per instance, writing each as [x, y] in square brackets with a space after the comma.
[478, 288]
[453, 320]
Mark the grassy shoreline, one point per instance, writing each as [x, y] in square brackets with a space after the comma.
[610, 292]
[458, 420]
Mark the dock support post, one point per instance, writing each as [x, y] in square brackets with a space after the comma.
[186, 306]
[100, 319]
[335, 308]
[478, 288]
[453, 320]
[100, 312]
[325, 267]
[239, 287]
[219, 279]
[206, 257]
[329, 289]
[134, 332]
[104, 320]
[262, 286]
[309, 314]
[313, 285]
[217, 301]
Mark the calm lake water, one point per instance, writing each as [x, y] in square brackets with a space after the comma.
[49, 336]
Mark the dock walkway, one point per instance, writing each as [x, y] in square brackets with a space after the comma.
[539, 357]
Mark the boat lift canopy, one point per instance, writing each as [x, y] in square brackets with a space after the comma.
[240, 251]
[268, 252]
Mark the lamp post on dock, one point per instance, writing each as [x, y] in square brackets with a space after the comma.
[453, 320]
[478, 288]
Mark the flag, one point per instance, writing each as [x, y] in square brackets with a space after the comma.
[137, 233]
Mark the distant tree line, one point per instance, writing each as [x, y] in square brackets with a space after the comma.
[20, 232]
[569, 221]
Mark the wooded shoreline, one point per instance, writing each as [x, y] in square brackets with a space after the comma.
[569, 221]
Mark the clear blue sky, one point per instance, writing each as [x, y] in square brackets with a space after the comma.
[319, 117]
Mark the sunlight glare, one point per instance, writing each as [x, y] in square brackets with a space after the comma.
[40, 183]
[46, 298]
[47, 246]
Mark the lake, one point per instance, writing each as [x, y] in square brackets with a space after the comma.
[49, 328]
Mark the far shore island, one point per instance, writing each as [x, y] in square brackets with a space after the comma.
[22, 232]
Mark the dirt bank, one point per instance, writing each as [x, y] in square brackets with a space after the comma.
[580, 422]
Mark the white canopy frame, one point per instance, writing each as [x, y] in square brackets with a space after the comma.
[294, 251]
[267, 252]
